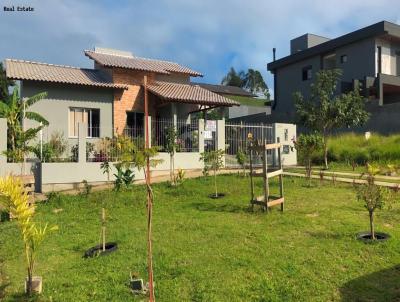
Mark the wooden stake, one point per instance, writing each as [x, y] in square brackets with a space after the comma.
[149, 198]
[103, 222]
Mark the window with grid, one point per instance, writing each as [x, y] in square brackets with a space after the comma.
[91, 117]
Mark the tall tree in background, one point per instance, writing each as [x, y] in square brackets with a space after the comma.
[4, 84]
[326, 110]
[254, 82]
[251, 81]
[233, 78]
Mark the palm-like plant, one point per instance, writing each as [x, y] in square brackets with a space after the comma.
[32, 234]
[15, 110]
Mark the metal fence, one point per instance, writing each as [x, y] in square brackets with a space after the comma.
[117, 147]
[187, 134]
[237, 140]
[54, 147]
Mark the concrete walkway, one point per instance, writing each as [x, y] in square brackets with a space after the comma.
[328, 175]
[155, 179]
[354, 180]
[349, 174]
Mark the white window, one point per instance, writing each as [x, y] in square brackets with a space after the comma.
[91, 117]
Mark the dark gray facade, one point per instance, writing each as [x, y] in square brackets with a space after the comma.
[369, 56]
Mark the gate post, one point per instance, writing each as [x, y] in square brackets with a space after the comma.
[221, 136]
[150, 128]
[201, 135]
[285, 133]
[82, 133]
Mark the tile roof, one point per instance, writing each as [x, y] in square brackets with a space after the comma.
[187, 93]
[27, 70]
[137, 63]
[233, 90]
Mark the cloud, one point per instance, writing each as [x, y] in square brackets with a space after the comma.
[209, 36]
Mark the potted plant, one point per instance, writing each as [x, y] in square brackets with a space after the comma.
[104, 247]
[373, 197]
[213, 160]
[33, 235]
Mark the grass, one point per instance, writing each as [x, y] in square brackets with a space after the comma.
[212, 250]
[351, 147]
[248, 101]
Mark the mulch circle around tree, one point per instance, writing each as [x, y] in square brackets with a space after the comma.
[98, 250]
[213, 196]
[366, 237]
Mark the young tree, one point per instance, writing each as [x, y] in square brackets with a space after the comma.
[171, 145]
[17, 201]
[241, 158]
[373, 196]
[15, 110]
[326, 110]
[307, 145]
[213, 160]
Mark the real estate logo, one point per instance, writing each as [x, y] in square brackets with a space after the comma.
[18, 8]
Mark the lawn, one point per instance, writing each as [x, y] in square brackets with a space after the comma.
[212, 250]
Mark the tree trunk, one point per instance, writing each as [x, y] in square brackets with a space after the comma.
[325, 153]
[29, 285]
[103, 222]
[215, 183]
[170, 168]
[371, 224]
[173, 169]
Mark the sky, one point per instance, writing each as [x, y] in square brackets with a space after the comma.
[209, 36]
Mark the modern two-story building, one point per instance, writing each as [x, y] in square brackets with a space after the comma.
[369, 58]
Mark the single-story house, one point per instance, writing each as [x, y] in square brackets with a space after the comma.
[109, 98]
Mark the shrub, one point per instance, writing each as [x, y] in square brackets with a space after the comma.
[52, 150]
[213, 160]
[307, 145]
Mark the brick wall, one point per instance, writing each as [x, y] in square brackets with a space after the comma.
[131, 99]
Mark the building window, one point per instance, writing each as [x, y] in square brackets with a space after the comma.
[134, 119]
[307, 73]
[379, 59]
[343, 59]
[91, 117]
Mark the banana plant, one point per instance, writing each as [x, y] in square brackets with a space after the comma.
[15, 110]
[33, 235]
